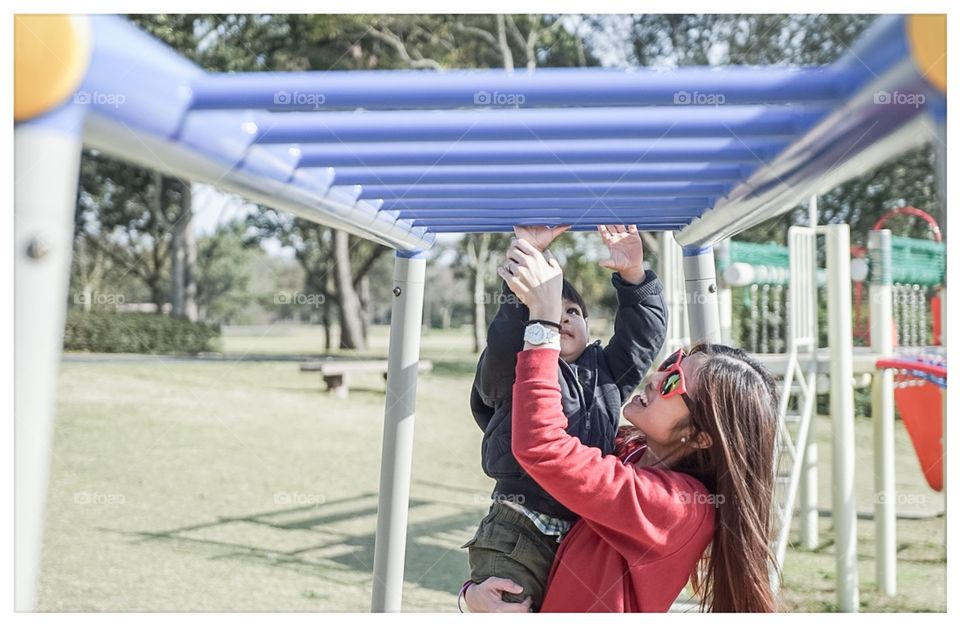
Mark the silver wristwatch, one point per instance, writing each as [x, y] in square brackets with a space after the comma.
[540, 335]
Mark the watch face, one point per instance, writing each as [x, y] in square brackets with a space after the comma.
[535, 334]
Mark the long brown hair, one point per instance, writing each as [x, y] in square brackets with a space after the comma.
[735, 405]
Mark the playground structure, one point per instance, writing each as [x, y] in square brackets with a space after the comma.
[582, 146]
[782, 286]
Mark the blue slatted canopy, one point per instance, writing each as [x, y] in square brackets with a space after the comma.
[399, 156]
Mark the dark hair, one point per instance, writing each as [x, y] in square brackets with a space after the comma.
[735, 406]
[570, 293]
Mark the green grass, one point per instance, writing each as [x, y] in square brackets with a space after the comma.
[210, 486]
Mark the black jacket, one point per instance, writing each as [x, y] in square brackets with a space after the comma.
[593, 388]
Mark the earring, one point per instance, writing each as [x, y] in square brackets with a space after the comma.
[683, 440]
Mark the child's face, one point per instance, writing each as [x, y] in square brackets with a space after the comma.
[573, 332]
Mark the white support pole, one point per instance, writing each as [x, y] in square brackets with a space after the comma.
[724, 293]
[881, 343]
[397, 456]
[809, 513]
[809, 487]
[670, 269]
[839, 312]
[940, 163]
[703, 309]
[47, 162]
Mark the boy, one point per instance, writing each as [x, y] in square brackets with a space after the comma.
[519, 537]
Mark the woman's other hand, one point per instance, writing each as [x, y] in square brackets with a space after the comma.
[487, 597]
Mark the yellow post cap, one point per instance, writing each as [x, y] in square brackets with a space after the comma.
[927, 35]
[51, 55]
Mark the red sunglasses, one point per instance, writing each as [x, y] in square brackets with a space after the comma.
[674, 382]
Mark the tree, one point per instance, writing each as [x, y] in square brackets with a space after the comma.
[222, 273]
[678, 40]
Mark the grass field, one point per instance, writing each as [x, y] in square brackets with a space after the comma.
[218, 486]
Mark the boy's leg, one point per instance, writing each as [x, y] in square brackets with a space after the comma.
[509, 545]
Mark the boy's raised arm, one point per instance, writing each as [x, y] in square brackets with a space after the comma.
[641, 320]
[498, 362]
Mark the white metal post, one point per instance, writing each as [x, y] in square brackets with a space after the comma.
[670, 269]
[881, 343]
[703, 307]
[47, 162]
[724, 293]
[809, 487]
[840, 332]
[940, 163]
[397, 456]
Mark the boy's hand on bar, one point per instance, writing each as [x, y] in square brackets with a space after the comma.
[540, 236]
[626, 251]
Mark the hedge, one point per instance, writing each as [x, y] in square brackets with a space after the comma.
[99, 331]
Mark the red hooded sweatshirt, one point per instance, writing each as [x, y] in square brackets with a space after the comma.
[642, 529]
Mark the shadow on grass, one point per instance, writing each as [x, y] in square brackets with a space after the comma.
[341, 554]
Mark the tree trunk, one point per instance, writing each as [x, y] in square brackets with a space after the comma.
[351, 324]
[480, 246]
[183, 294]
[366, 312]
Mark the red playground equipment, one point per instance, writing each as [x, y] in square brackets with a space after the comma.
[920, 385]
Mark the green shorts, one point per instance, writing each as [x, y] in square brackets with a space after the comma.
[509, 545]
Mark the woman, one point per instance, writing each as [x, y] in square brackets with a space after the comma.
[689, 497]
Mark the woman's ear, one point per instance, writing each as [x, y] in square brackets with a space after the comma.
[699, 442]
[702, 441]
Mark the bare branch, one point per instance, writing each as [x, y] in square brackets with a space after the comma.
[392, 39]
[504, 47]
[479, 32]
[515, 32]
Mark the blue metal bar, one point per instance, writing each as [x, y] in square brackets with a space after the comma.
[541, 190]
[525, 152]
[547, 87]
[499, 124]
[501, 227]
[874, 125]
[480, 204]
[433, 223]
[136, 96]
[605, 214]
[539, 173]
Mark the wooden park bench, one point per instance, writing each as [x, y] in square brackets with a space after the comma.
[336, 372]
